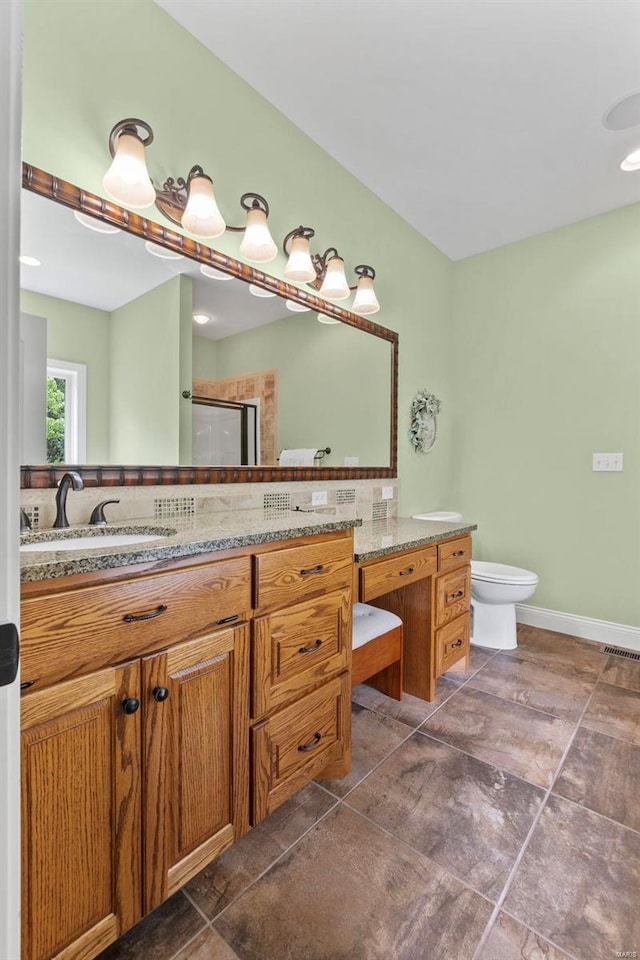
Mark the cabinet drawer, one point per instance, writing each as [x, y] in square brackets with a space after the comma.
[384, 576]
[295, 744]
[454, 553]
[453, 594]
[69, 633]
[297, 648]
[287, 576]
[452, 642]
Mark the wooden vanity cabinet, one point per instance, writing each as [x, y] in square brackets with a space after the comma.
[301, 660]
[135, 775]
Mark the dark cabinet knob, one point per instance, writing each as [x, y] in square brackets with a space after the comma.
[160, 694]
[130, 705]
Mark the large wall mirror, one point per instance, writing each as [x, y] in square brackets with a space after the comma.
[142, 348]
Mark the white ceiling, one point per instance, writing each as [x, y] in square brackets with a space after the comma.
[479, 121]
[108, 270]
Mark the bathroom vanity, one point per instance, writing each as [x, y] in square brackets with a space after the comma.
[171, 703]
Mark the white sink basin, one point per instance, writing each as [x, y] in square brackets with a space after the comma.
[96, 542]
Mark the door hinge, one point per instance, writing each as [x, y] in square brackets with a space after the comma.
[9, 653]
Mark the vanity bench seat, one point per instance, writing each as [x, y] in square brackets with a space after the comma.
[420, 570]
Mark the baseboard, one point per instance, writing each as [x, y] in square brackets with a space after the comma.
[601, 631]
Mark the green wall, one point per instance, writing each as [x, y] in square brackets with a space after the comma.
[204, 358]
[146, 340]
[80, 334]
[546, 336]
[334, 384]
[75, 88]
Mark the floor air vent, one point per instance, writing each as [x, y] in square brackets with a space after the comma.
[617, 652]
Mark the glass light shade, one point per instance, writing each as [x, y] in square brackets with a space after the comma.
[30, 261]
[201, 216]
[158, 251]
[323, 318]
[257, 244]
[365, 300]
[260, 291]
[99, 226]
[214, 274]
[335, 286]
[201, 318]
[631, 161]
[296, 307]
[299, 265]
[127, 179]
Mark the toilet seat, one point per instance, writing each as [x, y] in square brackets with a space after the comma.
[501, 573]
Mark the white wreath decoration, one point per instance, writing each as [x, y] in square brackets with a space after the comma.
[424, 409]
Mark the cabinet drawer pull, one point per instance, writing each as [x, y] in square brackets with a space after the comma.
[149, 615]
[455, 596]
[160, 694]
[306, 747]
[459, 553]
[458, 643]
[311, 647]
[318, 569]
[26, 684]
[236, 616]
[130, 705]
[409, 570]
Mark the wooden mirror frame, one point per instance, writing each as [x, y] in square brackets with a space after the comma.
[49, 475]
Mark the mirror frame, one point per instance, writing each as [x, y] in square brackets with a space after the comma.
[48, 475]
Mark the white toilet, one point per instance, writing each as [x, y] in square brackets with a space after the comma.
[495, 590]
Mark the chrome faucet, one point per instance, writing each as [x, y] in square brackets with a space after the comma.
[69, 479]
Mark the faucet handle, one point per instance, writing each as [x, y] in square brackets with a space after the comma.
[25, 523]
[97, 518]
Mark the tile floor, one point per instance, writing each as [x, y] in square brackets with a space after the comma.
[500, 822]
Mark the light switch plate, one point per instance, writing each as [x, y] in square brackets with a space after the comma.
[351, 461]
[387, 493]
[319, 498]
[608, 461]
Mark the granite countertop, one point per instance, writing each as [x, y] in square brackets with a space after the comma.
[180, 538]
[377, 538]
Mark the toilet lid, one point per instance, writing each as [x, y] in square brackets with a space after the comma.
[500, 573]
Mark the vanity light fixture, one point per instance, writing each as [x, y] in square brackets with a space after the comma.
[260, 291]
[631, 161]
[29, 262]
[212, 274]
[99, 226]
[296, 307]
[325, 272]
[189, 203]
[163, 252]
[201, 318]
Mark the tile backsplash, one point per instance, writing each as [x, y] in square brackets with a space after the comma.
[356, 498]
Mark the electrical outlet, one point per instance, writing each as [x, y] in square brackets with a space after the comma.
[608, 461]
[351, 461]
[319, 498]
[387, 493]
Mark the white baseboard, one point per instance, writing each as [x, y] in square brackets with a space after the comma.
[601, 631]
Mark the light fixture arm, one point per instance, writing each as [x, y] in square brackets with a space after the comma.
[131, 127]
[251, 201]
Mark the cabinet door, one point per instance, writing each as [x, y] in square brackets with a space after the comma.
[196, 718]
[81, 855]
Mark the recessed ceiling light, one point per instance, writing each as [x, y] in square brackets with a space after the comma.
[214, 274]
[631, 161]
[323, 318]
[260, 291]
[296, 307]
[201, 318]
[161, 252]
[29, 261]
[99, 226]
[623, 114]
